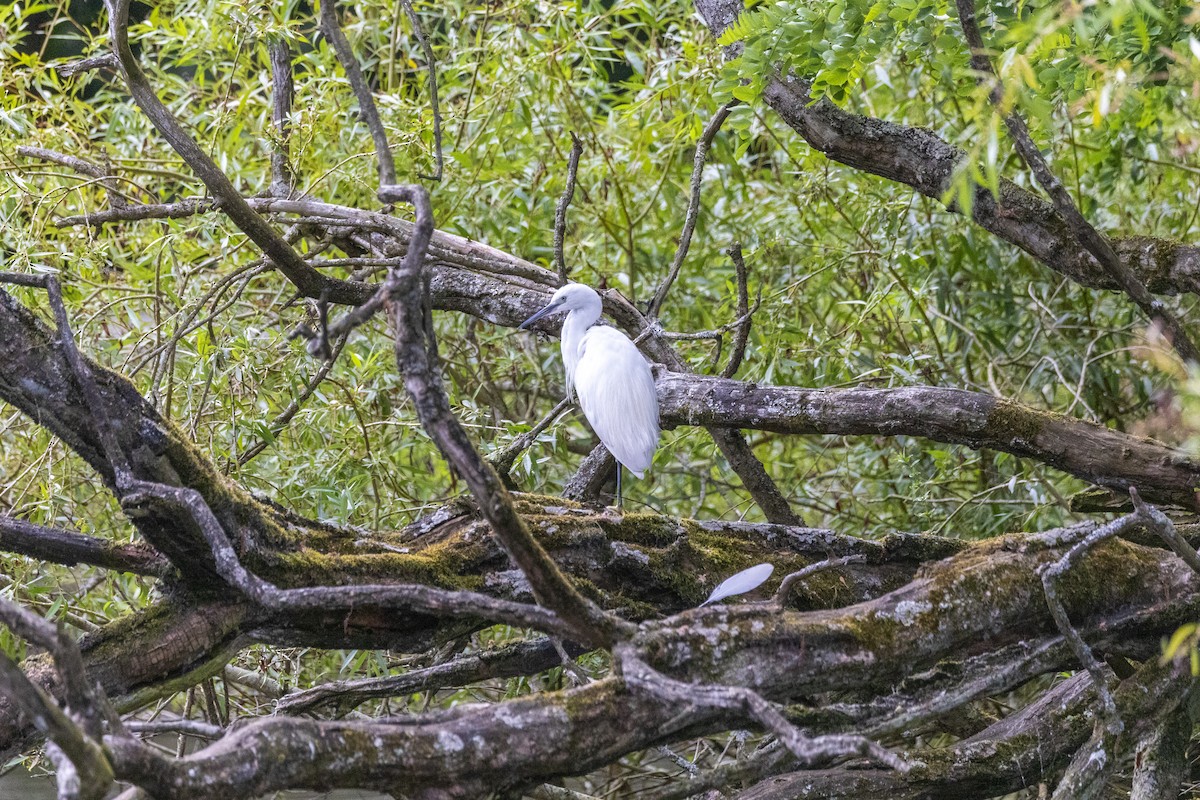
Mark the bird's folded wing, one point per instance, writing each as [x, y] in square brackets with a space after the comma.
[617, 394]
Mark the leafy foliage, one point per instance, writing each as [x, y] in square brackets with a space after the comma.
[862, 282]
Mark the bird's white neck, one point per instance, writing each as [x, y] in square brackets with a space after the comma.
[573, 329]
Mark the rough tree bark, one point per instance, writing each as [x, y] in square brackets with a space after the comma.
[859, 679]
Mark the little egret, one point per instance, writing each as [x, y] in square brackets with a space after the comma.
[609, 376]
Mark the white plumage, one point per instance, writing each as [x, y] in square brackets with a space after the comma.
[616, 391]
[741, 583]
[609, 376]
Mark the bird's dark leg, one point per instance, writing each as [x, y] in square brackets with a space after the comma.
[620, 501]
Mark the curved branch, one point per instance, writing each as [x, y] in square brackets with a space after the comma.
[693, 209]
[438, 156]
[560, 210]
[306, 279]
[523, 658]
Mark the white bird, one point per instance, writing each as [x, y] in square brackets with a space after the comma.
[609, 376]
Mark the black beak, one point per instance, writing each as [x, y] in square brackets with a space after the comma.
[550, 309]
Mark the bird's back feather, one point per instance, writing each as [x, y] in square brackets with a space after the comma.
[616, 391]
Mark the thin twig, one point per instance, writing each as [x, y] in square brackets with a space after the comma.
[1052, 573]
[331, 29]
[745, 314]
[522, 658]
[281, 421]
[653, 329]
[693, 211]
[789, 582]
[439, 158]
[751, 705]
[1087, 236]
[560, 211]
[502, 460]
[82, 166]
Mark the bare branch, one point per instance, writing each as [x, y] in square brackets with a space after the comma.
[189, 727]
[331, 29]
[789, 582]
[808, 751]
[68, 547]
[1161, 524]
[439, 158]
[1051, 575]
[1089, 451]
[560, 210]
[1088, 772]
[283, 90]
[693, 210]
[745, 313]
[84, 772]
[99, 61]
[522, 658]
[82, 166]
[750, 469]
[85, 382]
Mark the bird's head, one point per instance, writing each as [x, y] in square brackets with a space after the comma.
[571, 297]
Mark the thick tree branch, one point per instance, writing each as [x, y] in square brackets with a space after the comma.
[68, 547]
[1161, 758]
[1089, 451]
